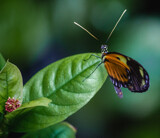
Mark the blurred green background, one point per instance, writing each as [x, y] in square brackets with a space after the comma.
[35, 33]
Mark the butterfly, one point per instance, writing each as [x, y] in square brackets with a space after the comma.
[122, 70]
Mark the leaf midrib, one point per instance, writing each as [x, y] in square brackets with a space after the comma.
[71, 79]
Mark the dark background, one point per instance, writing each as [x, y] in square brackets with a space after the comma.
[35, 33]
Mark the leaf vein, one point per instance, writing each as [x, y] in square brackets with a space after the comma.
[72, 78]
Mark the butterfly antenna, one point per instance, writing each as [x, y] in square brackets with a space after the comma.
[116, 24]
[86, 30]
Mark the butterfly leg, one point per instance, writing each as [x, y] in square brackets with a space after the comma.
[119, 92]
[93, 71]
[91, 56]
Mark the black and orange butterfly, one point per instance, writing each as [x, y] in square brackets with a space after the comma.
[122, 70]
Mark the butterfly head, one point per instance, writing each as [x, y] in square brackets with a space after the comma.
[104, 49]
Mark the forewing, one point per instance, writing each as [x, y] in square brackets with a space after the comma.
[117, 69]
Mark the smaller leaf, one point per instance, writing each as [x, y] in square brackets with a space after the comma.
[11, 84]
[60, 130]
[27, 107]
[2, 61]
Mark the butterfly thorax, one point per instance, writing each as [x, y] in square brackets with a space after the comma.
[104, 51]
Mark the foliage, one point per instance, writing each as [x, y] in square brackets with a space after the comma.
[50, 96]
[60, 130]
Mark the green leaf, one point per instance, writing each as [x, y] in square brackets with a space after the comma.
[62, 82]
[61, 130]
[2, 61]
[27, 107]
[11, 84]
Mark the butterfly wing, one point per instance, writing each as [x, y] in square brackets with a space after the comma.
[125, 71]
[139, 78]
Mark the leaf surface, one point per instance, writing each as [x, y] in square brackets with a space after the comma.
[62, 82]
[11, 84]
[27, 107]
